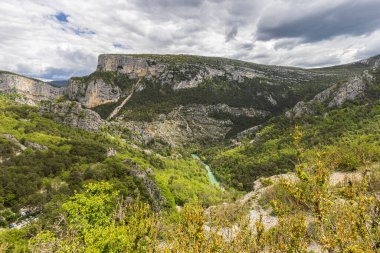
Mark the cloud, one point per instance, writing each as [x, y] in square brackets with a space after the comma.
[319, 21]
[231, 34]
[59, 39]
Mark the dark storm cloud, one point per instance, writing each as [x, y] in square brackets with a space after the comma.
[286, 43]
[60, 74]
[346, 18]
[163, 9]
[169, 3]
[261, 56]
[247, 46]
[58, 38]
[231, 33]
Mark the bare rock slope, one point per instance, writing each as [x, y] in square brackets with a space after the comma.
[31, 88]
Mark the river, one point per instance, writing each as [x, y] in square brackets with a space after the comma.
[210, 175]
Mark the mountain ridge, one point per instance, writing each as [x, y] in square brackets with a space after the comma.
[175, 88]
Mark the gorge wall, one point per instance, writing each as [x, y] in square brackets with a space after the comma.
[31, 88]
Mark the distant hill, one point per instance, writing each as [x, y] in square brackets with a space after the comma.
[60, 83]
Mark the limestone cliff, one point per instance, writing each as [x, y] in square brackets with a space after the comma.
[31, 88]
[336, 95]
[180, 72]
[192, 124]
[71, 113]
[196, 99]
[130, 65]
[186, 71]
[178, 99]
[148, 178]
[92, 93]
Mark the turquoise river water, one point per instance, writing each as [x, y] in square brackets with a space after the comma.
[210, 175]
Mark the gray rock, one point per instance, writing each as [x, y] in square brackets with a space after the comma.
[335, 95]
[93, 93]
[36, 146]
[248, 132]
[148, 178]
[30, 88]
[11, 138]
[191, 123]
[73, 114]
[111, 152]
[126, 64]
[25, 101]
[349, 92]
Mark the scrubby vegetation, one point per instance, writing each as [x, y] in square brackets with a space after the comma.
[69, 190]
[39, 180]
[312, 215]
[346, 135]
[156, 98]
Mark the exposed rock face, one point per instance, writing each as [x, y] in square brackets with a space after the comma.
[193, 123]
[234, 111]
[95, 92]
[71, 113]
[248, 132]
[15, 141]
[244, 85]
[148, 178]
[25, 101]
[335, 95]
[301, 108]
[36, 146]
[31, 88]
[350, 91]
[168, 74]
[127, 64]
[111, 152]
[135, 66]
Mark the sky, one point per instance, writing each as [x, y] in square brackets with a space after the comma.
[58, 39]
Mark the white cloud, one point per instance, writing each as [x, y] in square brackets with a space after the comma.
[35, 43]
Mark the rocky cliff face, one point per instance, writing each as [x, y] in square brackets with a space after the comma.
[148, 178]
[93, 93]
[182, 98]
[71, 113]
[129, 65]
[188, 71]
[192, 124]
[204, 98]
[336, 95]
[31, 88]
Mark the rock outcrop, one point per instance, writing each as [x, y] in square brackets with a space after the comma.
[148, 179]
[93, 93]
[207, 98]
[71, 113]
[128, 64]
[187, 71]
[192, 123]
[31, 88]
[35, 146]
[335, 95]
[12, 139]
